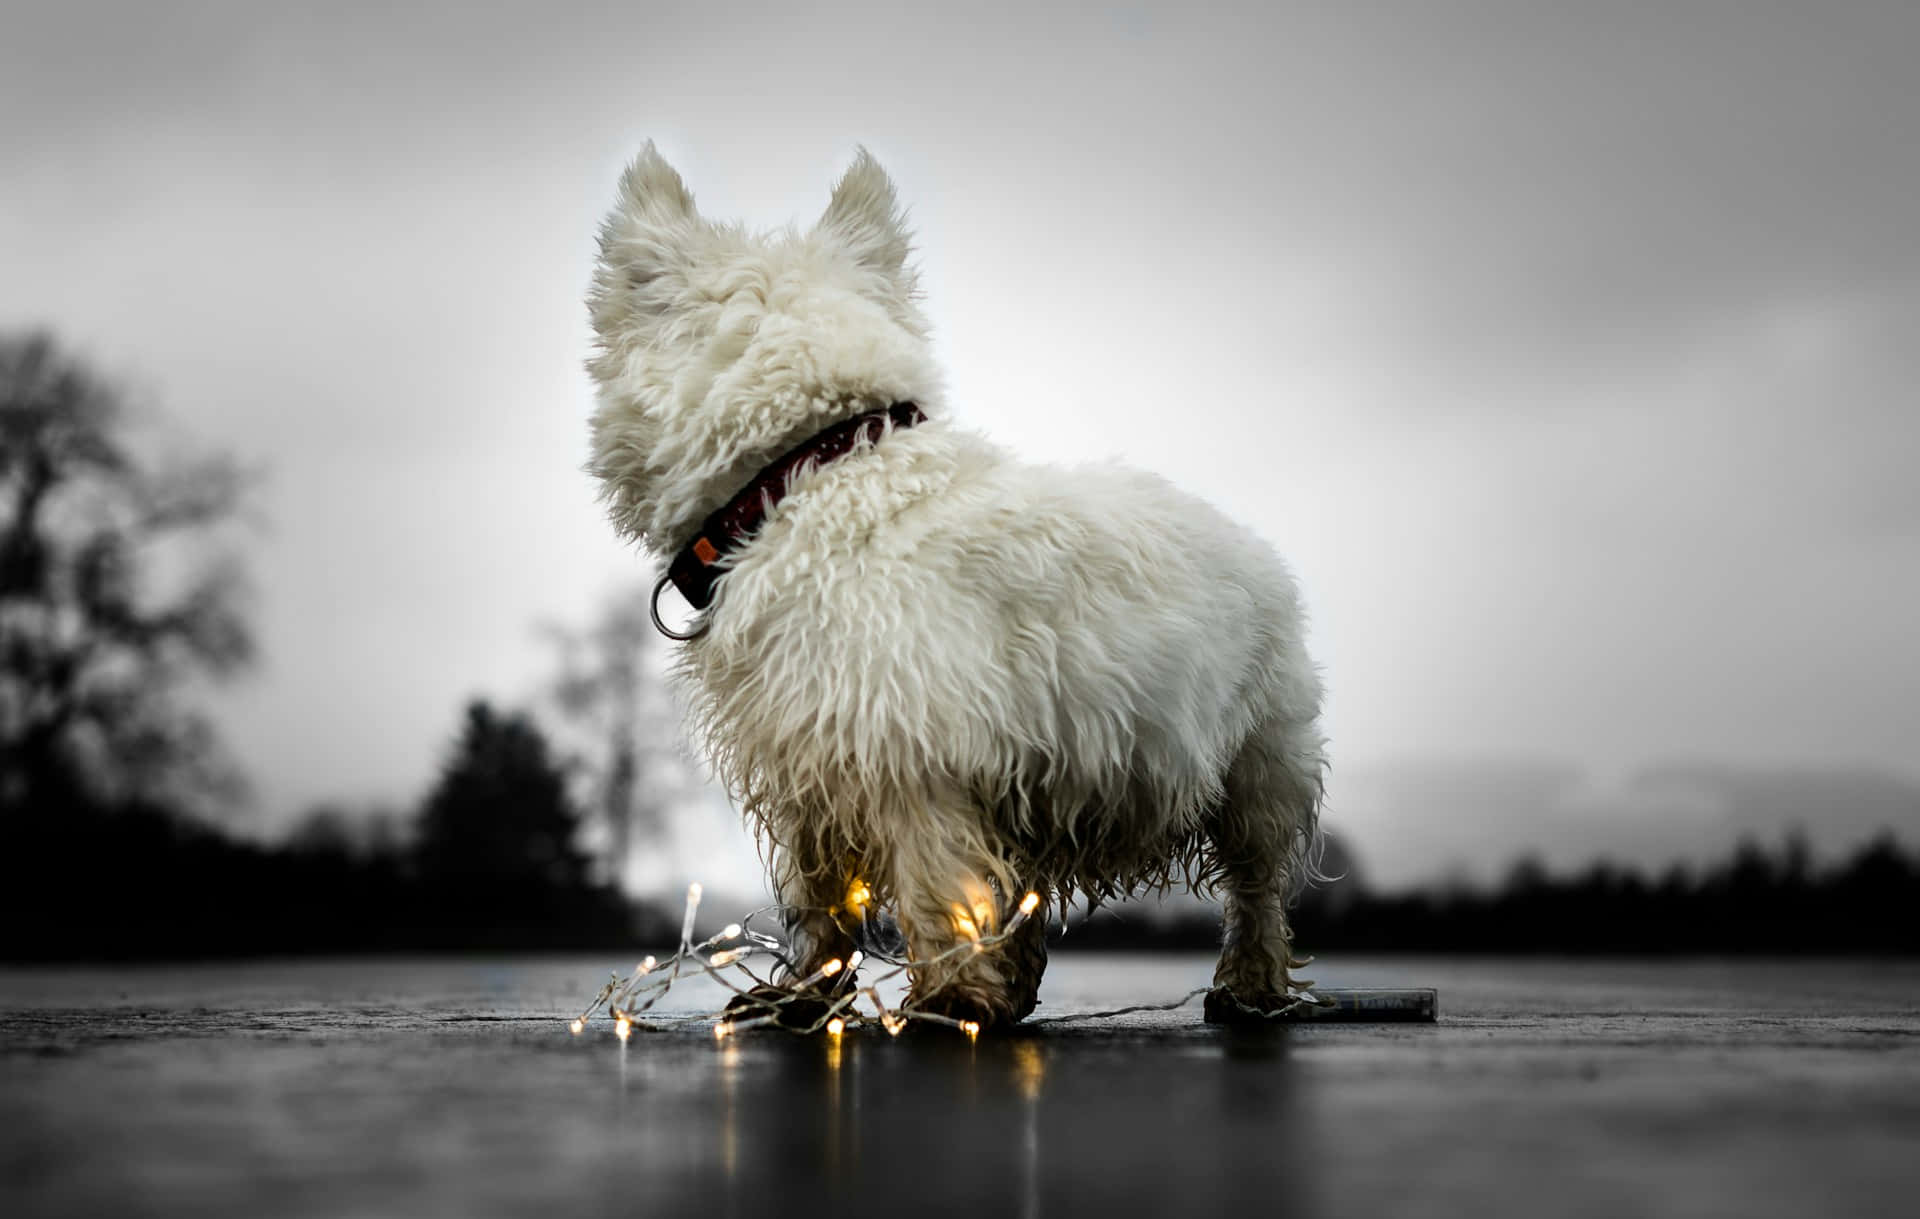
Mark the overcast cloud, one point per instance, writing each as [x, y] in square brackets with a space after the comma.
[1569, 351]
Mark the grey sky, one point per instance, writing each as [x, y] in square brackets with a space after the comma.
[1569, 351]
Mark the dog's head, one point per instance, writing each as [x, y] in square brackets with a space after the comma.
[718, 349]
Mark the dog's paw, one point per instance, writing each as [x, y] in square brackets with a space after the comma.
[791, 1009]
[990, 1009]
[1223, 1006]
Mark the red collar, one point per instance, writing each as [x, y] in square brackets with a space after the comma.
[698, 564]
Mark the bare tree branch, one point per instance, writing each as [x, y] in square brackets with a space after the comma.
[92, 658]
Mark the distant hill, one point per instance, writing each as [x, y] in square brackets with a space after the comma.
[1422, 822]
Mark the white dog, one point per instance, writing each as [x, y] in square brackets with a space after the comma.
[937, 677]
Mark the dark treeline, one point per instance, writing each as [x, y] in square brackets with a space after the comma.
[489, 863]
[1755, 901]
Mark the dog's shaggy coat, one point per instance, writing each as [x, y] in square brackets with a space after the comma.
[936, 670]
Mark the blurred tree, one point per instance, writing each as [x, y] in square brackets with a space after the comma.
[109, 604]
[323, 831]
[499, 822]
[610, 692]
[1527, 876]
[1796, 858]
[360, 833]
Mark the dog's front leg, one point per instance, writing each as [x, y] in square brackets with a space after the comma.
[948, 909]
[819, 919]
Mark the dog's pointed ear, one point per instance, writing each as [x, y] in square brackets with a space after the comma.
[643, 245]
[864, 216]
[652, 190]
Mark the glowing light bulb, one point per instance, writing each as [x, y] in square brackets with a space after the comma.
[1028, 905]
[577, 1026]
[836, 1026]
[721, 1030]
[727, 956]
[623, 1029]
[853, 962]
[730, 932]
[971, 1028]
[694, 891]
[832, 967]
[646, 966]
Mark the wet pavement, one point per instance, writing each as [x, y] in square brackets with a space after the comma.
[453, 1087]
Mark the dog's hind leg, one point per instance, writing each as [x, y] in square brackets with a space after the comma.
[1261, 835]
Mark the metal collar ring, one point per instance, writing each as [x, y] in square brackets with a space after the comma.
[653, 608]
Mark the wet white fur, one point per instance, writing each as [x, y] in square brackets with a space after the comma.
[950, 673]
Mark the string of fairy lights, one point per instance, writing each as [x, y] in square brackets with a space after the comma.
[803, 1008]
